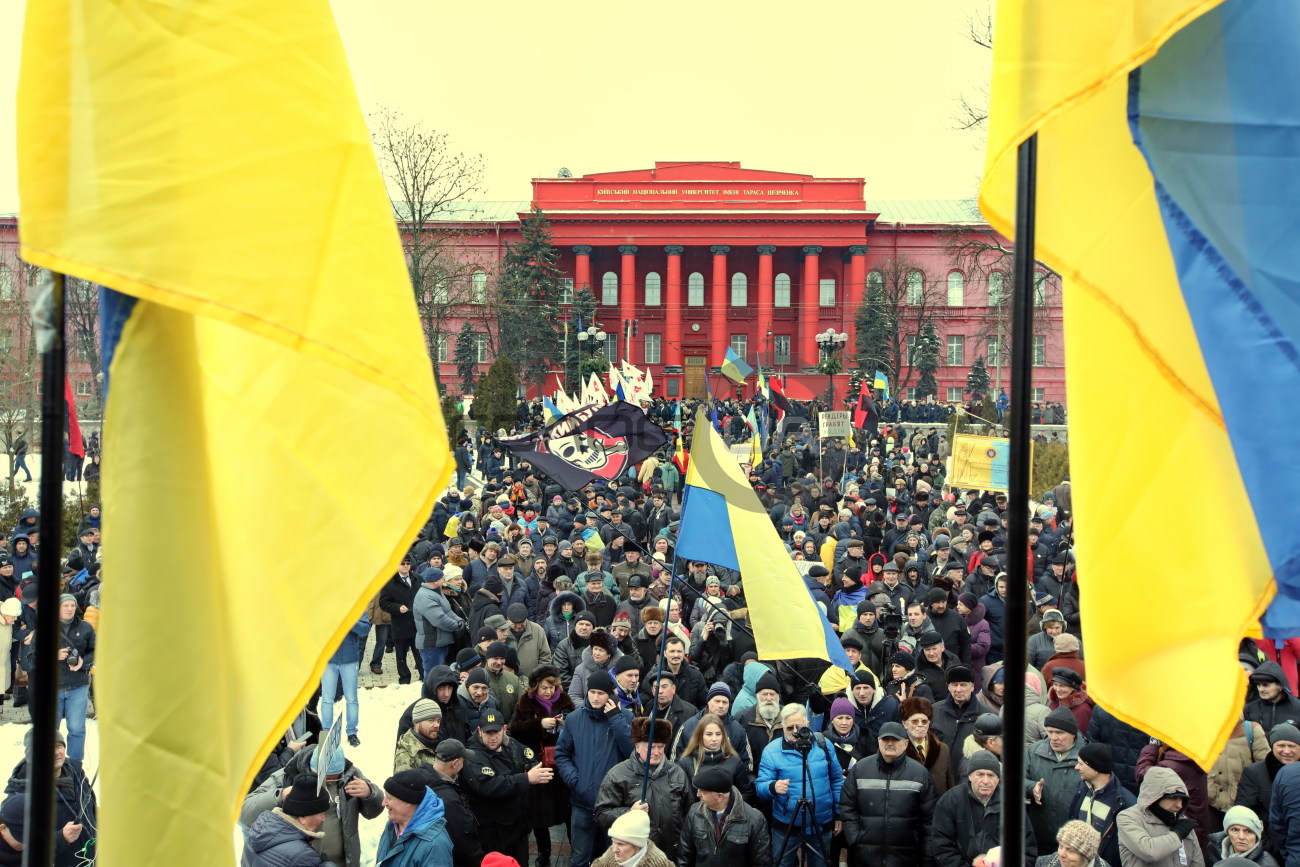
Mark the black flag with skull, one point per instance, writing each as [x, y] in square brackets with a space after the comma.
[590, 443]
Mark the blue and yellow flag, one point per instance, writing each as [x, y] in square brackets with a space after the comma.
[724, 523]
[734, 367]
[209, 163]
[1167, 162]
[880, 381]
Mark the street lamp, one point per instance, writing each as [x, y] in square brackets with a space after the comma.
[829, 344]
[592, 337]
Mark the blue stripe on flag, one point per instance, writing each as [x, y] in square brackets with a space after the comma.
[707, 537]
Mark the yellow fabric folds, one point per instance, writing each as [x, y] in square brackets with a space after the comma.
[273, 439]
[1146, 434]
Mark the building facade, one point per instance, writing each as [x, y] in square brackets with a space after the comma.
[686, 259]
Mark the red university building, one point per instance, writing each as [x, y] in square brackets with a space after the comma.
[702, 255]
[687, 258]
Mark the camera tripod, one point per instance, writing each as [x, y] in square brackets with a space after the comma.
[804, 820]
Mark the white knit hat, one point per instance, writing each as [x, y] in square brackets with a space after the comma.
[632, 827]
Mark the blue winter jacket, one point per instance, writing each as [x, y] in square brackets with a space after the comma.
[591, 743]
[424, 842]
[274, 842]
[349, 652]
[781, 761]
[1284, 814]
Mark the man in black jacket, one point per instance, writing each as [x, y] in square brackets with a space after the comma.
[498, 772]
[968, 818]
[443, 775]
[398, 599]
[721, 830]
[949, 624]
[887, 804]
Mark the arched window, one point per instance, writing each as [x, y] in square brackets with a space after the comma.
[915, 288]
[739, 290]
[609, 289]
[956, 289]
[782, 290]
[997, 288]
[695, 290]
[653, 292]
[478, 288]
[875, 282]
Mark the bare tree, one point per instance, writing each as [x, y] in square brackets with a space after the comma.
[900, 301]
[81, 310]
[430, 184]
[973, 106]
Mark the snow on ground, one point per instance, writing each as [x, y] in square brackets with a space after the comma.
[380, 709]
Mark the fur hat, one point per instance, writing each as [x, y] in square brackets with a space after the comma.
[663, 732]
[652, 612]
[540, 673]
[909, 707]
[601, 638]
[1079, 836]
[1066, 643]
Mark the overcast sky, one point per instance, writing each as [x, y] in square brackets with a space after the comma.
[858, 89]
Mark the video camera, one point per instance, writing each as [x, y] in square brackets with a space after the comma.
[803, 740]
[891, 621]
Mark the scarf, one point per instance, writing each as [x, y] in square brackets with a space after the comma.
[635, 859]
[625, 699]
[547, 703]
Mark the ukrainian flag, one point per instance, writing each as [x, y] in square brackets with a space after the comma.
[1168, 174]
[734, 367]
[209, 163]
[722, 522]
[880, 381]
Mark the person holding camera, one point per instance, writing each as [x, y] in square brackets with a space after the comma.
[802, 781]
[77, 656]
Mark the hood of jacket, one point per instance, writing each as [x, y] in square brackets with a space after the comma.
[439, 675]
[567, 596]
[427, 816]
[1268, 668]
[1157, 783]
[274, 828]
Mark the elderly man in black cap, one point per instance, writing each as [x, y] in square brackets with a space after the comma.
[498, 771]
[1050, 765]
[285, 834]
[721, 828]
[505, 687]
[443, 776]
[527, 638]
[1099, 797]
[955, 716]
[887, 803]
[968, 818]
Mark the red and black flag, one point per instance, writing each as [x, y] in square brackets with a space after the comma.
[779, 400]
[76, 445]
[865, 416]
[590, 443]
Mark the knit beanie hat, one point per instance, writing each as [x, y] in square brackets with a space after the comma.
[476, 675]
[1284, 732]
[425, 709]
[1081, 837]
[969, 600]
[842, 707]
[335, 765]
[1062, 719]
[303, 800]
[632, 827]
[983, 760]
[718, 688]
[1098, 757]
[1245, 817]
[767, 681]
[903, 659]
[408, 786]
[600, 680]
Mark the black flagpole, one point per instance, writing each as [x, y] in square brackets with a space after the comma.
[1022, 371]
[654, 687]
[45, 674]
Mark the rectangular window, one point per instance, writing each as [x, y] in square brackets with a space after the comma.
[913, 393]
[480, 348]
[911, 349]
[566, 290]
[611, 349]
[83, 388]
[1040, 350]
[956, 350]
[440, 350]
[1037, 395]
[652, 348]
[740, 344]
[954, 394]
[827, 295]
[781, 349]
[994, 352]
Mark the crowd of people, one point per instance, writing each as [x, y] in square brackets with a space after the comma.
[575, 672]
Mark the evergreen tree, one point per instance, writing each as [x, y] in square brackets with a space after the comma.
[527, 292]
[466, 357]
[581, 359]
[977, 382]
[927, 361]
[497, 404]
[876, 329]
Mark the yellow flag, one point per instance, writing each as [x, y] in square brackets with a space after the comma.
[1145, 427]
[273, 440]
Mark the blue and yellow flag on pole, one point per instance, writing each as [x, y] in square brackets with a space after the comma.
[209, 163]
[734, 367]
[1166, 179]
[880, 381]
[724, 523]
